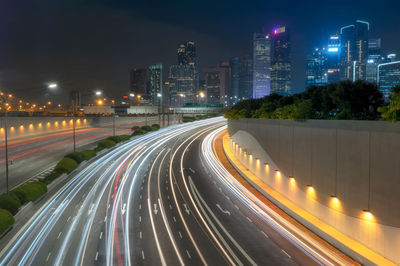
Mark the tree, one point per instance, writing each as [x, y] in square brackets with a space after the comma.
[391, 111]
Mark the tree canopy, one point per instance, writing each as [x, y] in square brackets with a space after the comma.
[344, 100]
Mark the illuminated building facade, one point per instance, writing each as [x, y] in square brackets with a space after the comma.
[333, 59]
[317, 71]
[388, 77]
[261, 65]
[281, 62]
[155, 83]
[245, 78]
[217, 83]
[138, 79]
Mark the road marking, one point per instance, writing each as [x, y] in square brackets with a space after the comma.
[140, 219]
[262, 232]
[286, 254]
[140, 196]
[48, 256]
[220, 189]
[155, 209]
[142, 254]
[140, 234]
[59, 235]
[123, 209]
[191, 170]
[101, 234]
[105, 219]
[68, 218]
[174, 219]
[222, 210]
[140, 206]
[108, 206]
[237, 207]
[187, 252]
[170, 207]
[249, 219]
[166, 188]
[141, 188]
[168, 196]
[228, 198]
[97, 255]
[180, 235]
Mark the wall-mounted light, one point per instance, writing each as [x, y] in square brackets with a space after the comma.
[310, 188]
[334, 199]
[367, 214]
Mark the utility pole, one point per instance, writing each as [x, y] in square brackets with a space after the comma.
[73, 123]
[6, 143]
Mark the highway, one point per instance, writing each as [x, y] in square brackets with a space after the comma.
[159, 199]
[36, 155]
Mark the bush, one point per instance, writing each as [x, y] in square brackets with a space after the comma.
[20, 194]
[10, 202]
[124, 137]
[139, 132]
[88, 154]
[77, 156]
[135, 128]
[155, 127]
[33, 190]
[66, 165]
[119, 138]
[147, 128]
[51, 176]
[6, 220]
[107, 143]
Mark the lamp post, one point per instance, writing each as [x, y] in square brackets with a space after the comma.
[159, 108]
[4, 99]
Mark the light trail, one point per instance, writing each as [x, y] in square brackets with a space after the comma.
[304, 242]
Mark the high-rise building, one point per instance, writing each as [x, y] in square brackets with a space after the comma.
[181, 85]
[261, 65]
[354, 51]
[138, 80]
[233, 95]
[281, 62]
[245, 78]
[217, 82]
[388, 77]
[317, 70]
[187, 56]
[374, 49]
[155, 83]
[333, 59]
[374, 59]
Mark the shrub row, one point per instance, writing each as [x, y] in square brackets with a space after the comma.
[144, 129]
[10, 203]
[186, 119]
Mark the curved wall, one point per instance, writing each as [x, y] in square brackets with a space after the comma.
[358, 161]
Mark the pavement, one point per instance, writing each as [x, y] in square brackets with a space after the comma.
[154, 200]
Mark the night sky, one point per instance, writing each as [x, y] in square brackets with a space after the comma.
[90, 45]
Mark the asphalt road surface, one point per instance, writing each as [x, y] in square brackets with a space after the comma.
[155, 200]
[30, 157]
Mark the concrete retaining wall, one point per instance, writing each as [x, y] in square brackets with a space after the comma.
[357, 161]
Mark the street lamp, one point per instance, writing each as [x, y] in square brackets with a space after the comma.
[159, 95]
[4, 99]
[98, 93]
[52, 85]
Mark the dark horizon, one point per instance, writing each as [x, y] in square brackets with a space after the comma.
[90, 45]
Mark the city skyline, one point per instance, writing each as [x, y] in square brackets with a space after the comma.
[29, 66]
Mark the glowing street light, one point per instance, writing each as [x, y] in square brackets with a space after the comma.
[52, 85]
[98, 93]
[131, 95]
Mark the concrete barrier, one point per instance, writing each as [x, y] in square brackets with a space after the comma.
[340, 169]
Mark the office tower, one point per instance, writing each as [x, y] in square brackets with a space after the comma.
[374, 49]
[186, 53]
[261, 65]
[217, 81]
[233, 95]
[181, 85]
[155, 83]
[245, 78]
[281, 63]
[138, 80]
[388, 77]
[316, 71]
[354, 51]
[333, 59]
[374, 59]
[75, 100]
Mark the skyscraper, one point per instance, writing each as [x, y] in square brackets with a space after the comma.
[354, 51]
[138, 79]
[388, 77]
[333, 59]
[155, 83]
[217, 80]
[374, 59]
[181, 52]
[186, 53]
[261, 65]
[233, 95]
[245, 77]
[316, 71]
[181, 85]
[281, 62]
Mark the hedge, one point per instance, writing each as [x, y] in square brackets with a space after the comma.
[10, 202]
[88, 154]
[6, 220]
[135, 128]
[66, 165]
[33, 190]
[106, 143]
[53, 175]
[139, 132]
[20, 194]
[119, 138]
[155, 127]
[147, 128]
[77, 156]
